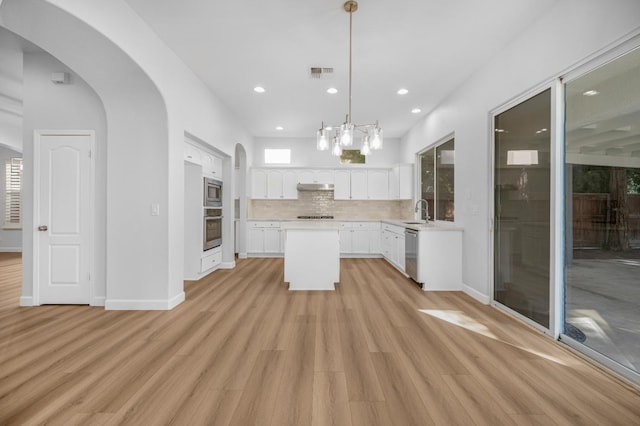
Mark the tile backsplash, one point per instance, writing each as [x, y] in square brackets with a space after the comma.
[321, 203]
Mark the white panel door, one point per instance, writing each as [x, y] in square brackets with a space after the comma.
[289, 184]
[378, 184]
[258, 184]
[63, 217]
[274, 184]
[359, 189]
[342, 188]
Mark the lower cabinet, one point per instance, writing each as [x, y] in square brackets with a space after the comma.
[264, 238]
[210, 259]
[360, 238]
[392, 244]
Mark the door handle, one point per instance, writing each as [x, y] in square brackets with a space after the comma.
[42, 228]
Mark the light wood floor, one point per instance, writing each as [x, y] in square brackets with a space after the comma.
[243, 350]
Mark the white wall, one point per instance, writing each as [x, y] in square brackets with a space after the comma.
[151, 98]
[10, 91]
[570, 32]
[10, 239]
[305, 154]
[55, 106]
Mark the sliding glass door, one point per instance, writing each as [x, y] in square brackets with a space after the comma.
[602, 228]
[522, 208]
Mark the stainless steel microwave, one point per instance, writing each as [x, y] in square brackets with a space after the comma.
[212, 192]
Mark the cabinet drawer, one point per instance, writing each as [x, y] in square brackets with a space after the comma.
[393, 228]
[210, 261]
[263, 224]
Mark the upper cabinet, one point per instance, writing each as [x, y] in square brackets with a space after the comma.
[361, 184]
[349, 184]
[401, 182]
[315, 176]
[377, 184]
[274, 184]
[211, 166]
[192, 154]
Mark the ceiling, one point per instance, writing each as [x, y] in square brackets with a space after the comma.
[428, 47]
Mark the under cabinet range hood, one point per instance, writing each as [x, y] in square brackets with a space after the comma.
[315, 187]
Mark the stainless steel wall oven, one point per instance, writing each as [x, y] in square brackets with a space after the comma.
[212, 229]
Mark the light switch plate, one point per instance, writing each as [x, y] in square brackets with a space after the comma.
[155, 209]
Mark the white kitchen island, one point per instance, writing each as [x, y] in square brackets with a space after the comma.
[311, 255]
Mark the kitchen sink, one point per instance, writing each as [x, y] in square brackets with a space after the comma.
[422, 222]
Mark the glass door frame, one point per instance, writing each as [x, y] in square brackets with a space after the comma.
[608, 54]
[556, 201]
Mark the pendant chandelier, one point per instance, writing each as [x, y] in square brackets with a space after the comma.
[346, 132]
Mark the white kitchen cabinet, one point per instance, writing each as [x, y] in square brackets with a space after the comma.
[211, 166]
[264, 238]
[377, 184]
[192, 154]
[350, 185]
[374, 238]
[274, 184]
[359, 188]
[258, 184]
[360, 238]
[211, 259]
[315, 176]
[272, 240]
[289, 185]
[342, 185]
[392, 242]
[401, 182]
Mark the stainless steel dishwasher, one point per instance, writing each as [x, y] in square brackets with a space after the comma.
[411, 253]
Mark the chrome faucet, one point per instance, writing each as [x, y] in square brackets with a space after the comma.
[421, 209]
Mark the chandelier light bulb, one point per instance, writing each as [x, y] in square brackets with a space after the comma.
[346, 134]
[365, 150]
[376, 138]
[337, 149]
[322, 140]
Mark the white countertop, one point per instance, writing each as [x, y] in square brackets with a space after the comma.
[431, 226]
[335, 224]
[311, 225]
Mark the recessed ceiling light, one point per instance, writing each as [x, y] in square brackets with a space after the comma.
[403, 92]
[332, 90]
[259, 89]
[591, 93]
[279, 128]
[329, 128]
[416, 111]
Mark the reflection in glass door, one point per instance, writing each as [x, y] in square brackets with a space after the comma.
[602, 231]
[522, 208]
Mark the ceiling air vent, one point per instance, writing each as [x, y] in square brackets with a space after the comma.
[320, 72]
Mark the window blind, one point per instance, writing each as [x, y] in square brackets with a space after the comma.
[13, 193]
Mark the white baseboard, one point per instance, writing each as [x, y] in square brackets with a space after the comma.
[242, 255]
[360, 256]
[98, 301]
[10, 249]
[482, 298]
[176, 300]
[144, 305]
[227, 265]
[26, 301]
